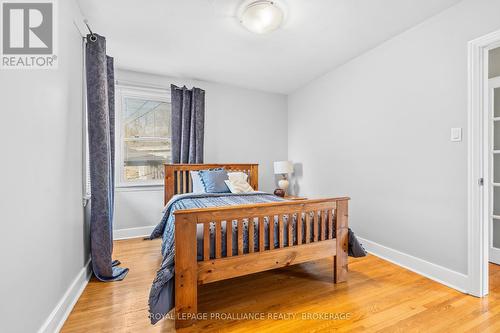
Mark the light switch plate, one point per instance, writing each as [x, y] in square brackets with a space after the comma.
[456, 134]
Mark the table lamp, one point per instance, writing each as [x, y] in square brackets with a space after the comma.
[282, 168]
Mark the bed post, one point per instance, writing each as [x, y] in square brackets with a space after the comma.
[186, 274]
[169, 183]
[254, 176]
[342, 235]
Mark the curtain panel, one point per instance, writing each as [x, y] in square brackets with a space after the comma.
[188, 124]
[101, 135]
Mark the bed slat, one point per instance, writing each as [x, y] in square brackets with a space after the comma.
[271, 232]
[308, 227]
[229, 238]
[251, 230]
[315, 226]
[299, 228]
[178, 178]
[184, 181]
[281, 230]
[333, 215]
[206, 241]
[218, 240]
[261, 233]
[323, 225]
[240, 237]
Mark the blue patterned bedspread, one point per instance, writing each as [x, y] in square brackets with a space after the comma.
[161, 297]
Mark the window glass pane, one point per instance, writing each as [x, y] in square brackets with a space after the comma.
[494, 63]
[496, 135]
[496, 168]
[146, 138]
[496, 233]
[496, 200]
[162, 121]
[496, 102]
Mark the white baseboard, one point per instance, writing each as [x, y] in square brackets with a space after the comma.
[432, 271]
[58, 316]
[494, 255]
[133, 232]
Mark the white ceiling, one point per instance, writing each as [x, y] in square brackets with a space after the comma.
[201, 39]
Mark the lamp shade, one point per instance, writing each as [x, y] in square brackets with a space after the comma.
[283, 167]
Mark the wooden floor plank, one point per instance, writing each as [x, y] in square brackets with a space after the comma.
[378, 297]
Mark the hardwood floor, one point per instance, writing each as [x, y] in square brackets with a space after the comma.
[378, 296]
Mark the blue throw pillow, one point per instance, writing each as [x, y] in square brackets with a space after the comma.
[198, 186]
[213, 180]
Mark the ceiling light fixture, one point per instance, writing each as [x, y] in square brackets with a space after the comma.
[261, 16]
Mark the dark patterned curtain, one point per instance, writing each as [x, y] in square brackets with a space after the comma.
[101, 136]
[188, 124]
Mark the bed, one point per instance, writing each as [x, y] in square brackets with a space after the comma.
[221, 236]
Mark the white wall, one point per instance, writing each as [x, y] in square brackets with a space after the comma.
[378, 129]
[241, 126]
[43, 247]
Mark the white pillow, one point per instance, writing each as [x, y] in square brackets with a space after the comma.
[197, 184]
[239, 186]
[237, 176]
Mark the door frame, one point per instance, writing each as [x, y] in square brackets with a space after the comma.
[478, 166]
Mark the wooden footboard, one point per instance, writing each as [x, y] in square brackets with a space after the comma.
[325, 235]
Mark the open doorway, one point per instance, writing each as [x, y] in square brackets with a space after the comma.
[493, 107]
[484, 161]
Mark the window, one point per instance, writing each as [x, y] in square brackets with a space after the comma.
[143, 136]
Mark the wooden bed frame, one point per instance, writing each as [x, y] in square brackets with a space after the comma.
[329, 214]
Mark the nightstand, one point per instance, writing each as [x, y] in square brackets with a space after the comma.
[293, 197]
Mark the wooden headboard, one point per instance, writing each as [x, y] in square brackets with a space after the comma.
[178, 179]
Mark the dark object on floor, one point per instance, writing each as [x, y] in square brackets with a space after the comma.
[279, 192]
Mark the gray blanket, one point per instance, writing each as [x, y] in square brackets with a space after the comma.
[161, 298]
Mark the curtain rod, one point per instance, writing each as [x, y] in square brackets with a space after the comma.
[137, 84]
[93, 37]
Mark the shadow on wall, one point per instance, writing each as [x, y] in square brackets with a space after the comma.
[86, 232]
[296, 176]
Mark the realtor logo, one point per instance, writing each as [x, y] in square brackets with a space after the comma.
[28, 32]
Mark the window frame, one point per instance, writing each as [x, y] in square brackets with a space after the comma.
[123, 91]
